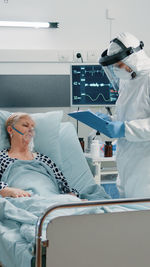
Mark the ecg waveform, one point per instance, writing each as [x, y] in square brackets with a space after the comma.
[95, 99]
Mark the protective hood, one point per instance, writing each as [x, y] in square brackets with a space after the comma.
[139, 62]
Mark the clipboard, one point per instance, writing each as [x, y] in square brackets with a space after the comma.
[92, 120]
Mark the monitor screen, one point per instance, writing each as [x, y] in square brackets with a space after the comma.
[90, 86]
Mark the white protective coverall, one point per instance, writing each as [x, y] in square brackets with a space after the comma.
[133, 107]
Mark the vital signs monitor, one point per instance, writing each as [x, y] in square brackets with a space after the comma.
[90, 86]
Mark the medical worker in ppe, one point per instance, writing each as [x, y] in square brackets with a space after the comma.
[126, 60]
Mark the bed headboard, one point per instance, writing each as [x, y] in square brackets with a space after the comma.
[34, 91]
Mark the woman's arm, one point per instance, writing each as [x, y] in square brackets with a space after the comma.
[5, 190]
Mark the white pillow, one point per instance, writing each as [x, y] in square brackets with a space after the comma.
[46, 133]
[74, 165]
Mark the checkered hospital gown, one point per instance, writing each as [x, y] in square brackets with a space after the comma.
[64, 188]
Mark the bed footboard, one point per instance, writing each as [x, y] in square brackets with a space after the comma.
[105, 239]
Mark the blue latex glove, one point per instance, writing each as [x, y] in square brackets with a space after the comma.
[103, 116]
[115, 129]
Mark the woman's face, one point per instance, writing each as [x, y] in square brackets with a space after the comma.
[25, 126]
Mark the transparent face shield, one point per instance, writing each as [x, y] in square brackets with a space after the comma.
[109, 70]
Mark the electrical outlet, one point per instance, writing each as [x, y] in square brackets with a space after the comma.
[65, 56]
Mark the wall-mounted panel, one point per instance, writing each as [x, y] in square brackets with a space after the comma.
[34, 90]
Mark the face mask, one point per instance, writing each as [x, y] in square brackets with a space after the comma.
[122, 73]
[28, 135]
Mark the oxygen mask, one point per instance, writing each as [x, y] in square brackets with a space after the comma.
[27, 135]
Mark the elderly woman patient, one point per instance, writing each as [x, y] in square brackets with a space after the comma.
[29, 184]
[20, 128]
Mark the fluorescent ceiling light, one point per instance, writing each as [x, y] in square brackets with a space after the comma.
[29, 24]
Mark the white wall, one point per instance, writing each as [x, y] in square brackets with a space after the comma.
[83, 28]
[82, 22]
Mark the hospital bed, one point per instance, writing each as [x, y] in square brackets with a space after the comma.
[118, 235]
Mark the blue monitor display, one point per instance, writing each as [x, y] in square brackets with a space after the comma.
[90, 86]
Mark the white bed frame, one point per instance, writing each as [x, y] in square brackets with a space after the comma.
[120, 239]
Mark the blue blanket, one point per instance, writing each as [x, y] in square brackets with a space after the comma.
[21, 214]
[18, 216]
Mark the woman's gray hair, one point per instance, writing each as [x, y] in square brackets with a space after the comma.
[15, 117]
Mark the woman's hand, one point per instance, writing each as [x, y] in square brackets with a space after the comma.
[14, 192]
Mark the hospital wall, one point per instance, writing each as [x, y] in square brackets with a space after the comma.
[84, 26]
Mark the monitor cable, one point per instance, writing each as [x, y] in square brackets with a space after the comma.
[109, 111]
